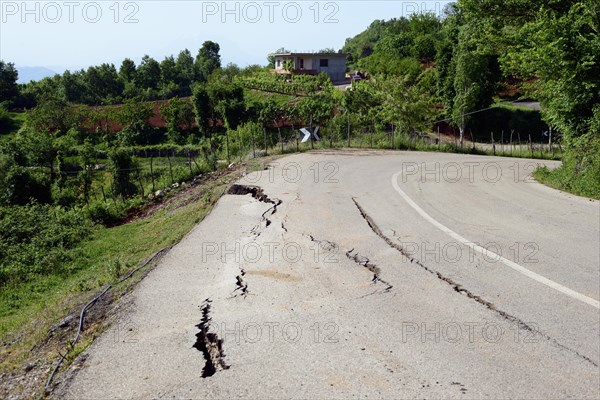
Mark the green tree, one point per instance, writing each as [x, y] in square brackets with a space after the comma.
[54, 115]
[406, 104]
[204, 114]
[184, 66]
[74, 87]
[227, 99]
[178, 115]
[207, 60]
[168, 77]
[477, 74]
[103, 84]
[87, 155]
[122, 167]
[42, 149]
[128, 71]
[148, 73]
[20, 184]
[134, 115]
[128, 75]
[8, 82]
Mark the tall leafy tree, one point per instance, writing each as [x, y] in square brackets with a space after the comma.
[74, 89]
[8, 82]
[128, 75]
[204, 113]
[103, 84]
[555, 44]
[148, 73]
[134, 115]
[179, 115]
[127, 72]
[184, 66]
[406, 104]
[228, 101]
[207, 60]
[122, 167]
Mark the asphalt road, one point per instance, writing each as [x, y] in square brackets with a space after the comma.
[367, 274]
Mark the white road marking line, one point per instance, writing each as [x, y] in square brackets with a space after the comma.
[539, 278]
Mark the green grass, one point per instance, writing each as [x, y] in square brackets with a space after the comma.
[586, 185]
[509, 105]
[257, 95]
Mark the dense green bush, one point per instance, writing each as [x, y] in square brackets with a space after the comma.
[498, 119]
[5, 120]
[104, 213]
[122, 167]
[36, 240]
[19, 184]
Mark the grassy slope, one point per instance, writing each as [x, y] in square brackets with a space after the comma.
[17, 121]
[108, 253]
[559, 179]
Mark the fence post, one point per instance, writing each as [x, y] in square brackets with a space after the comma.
[279, 134]
[152, 172]
[472, 138]
[140, 182]
[170, 168]
[310, 128]
[265, 137]
[531, 145]
[331, 131]
[502, 142]
[240, 144]
[252, 139]
[296, 137]
[493, 144]
[349, 130]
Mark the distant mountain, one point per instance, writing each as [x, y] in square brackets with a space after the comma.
[27, 74]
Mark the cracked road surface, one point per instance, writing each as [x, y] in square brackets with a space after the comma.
[362, 274]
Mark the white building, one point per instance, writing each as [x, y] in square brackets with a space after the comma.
[333, 64]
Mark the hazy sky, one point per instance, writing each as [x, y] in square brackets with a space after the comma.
[75, 34]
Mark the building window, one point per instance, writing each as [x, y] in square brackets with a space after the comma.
[324, 62]
[301, 60]
[278, 63]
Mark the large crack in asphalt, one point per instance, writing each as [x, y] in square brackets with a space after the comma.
[365, 262]
[324, 244]
[257, 193]
[241, 284]
[209, 344]
[460, 289]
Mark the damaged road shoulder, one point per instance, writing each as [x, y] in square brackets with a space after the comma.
[209, 344]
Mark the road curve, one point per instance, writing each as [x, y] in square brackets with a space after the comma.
[366, 274]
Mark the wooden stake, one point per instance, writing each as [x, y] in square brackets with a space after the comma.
[170, 168]
[152, 173]
[349, 130]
